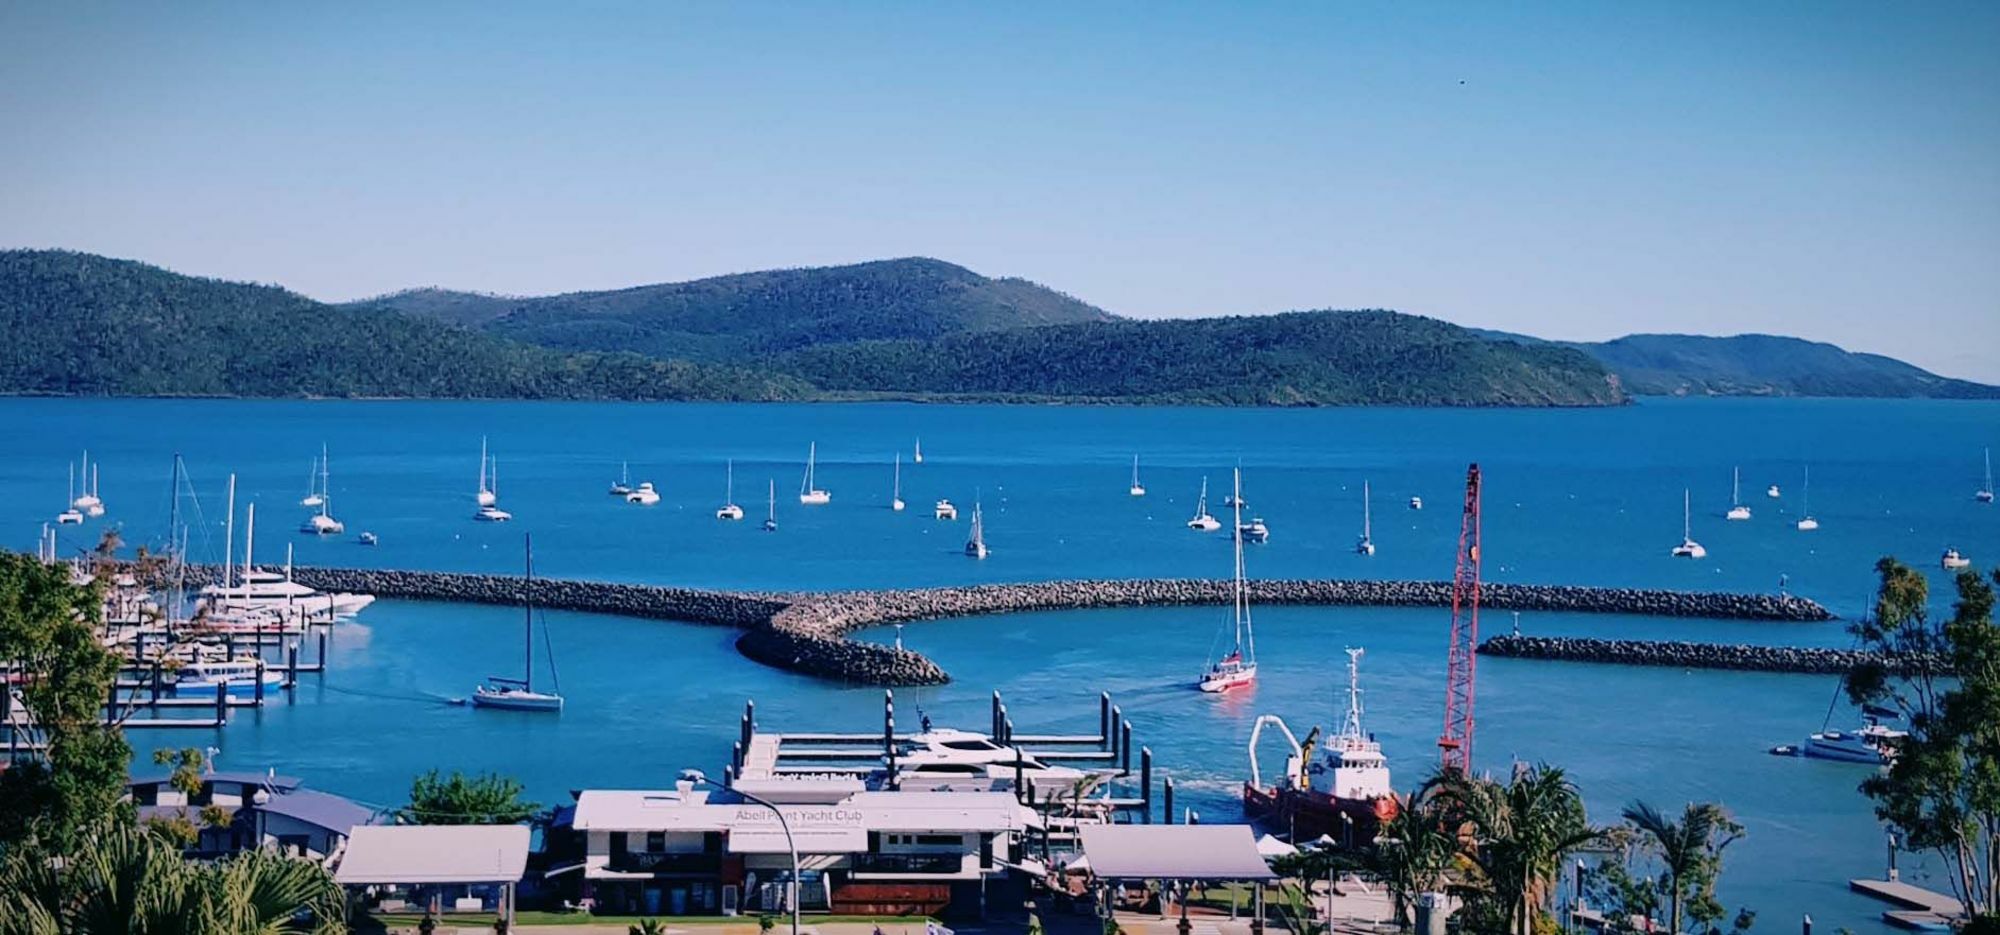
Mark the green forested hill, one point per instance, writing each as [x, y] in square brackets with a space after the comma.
[1768, 365]
[1299, 358]
[731, 317]
[76, 324]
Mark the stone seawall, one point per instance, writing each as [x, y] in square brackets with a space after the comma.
[1682, 655]
[813, 633]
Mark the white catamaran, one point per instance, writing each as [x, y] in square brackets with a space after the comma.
[1737, 511]
[70, 516]
[322, 523]
[1366, 545]
[729, 509]
[1202, 521]
[810, 493]
[519, 694]
[88, 501]
[1238, 667]
[488, 495]
[1688, 547]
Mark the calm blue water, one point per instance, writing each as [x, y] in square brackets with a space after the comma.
[1572, 496]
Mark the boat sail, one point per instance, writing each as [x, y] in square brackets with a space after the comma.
[1366, 545]
[729, 509]
[1239, 667]
[519, 694]
[975, 547]
[1688, 547]
[314, 495]
[488, 493]
[1806, 522]
[809, 492]
[1985, 492]
[1138, 489]
[896, 486]
[1202, 521]
[322, 523]
[1737, 511]
[918, 454]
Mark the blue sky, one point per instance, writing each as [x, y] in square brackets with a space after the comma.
[1576, 170]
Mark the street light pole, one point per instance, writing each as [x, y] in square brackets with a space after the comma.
[699, 778]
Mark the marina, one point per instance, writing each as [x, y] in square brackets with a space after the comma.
[607, 575]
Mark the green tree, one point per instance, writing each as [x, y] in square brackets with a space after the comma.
[1942, 789]
[123, 879]
[1690, 855]
[49, 625]
[1414, 853]
[1516, 836]
[485, 799]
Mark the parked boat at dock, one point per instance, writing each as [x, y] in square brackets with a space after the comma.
[207, 678]
[1340, 788]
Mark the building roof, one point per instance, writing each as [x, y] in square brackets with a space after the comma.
[641, 810]
[434, 854]
[322, 809]
[1174, 852]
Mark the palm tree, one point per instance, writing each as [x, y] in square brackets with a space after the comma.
[1690, 849]
[1518, 835]
[1413, 852]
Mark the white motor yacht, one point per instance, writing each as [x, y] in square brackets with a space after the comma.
[1772, 492]
[948, 753]
[644, 494]
[944, 510]
[1952, 561]
[1254, 530]
[206, 679]
[1416, 503]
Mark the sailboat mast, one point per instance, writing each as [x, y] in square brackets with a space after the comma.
[1366, 519]
[1687, 524]
[1736, 487]
[729, 482]
[528, 614]
[482, 464]
[1238, 537]
[896, 484]
[229, 536]
[249, 538]
[325, 490]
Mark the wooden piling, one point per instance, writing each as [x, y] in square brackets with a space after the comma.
[1117, 717]
[1146, 782]
[1104, 720]
[1167, 799]
[1125, 749]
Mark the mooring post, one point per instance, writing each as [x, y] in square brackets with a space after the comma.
[1167, 800]
[1117, 716]
[994, 715]
[292, 665]
[1009, 725]
[1146, 782]
[260, 680]
[322, 650]
[728, 776]
[736, 755]
[1000, 729]
[1125, 748]
[221, 705]
[1104, 720]
[889, 736]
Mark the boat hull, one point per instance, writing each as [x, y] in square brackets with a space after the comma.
[234, 687]
[517, 701]
[1216, 683]
[1306, 815]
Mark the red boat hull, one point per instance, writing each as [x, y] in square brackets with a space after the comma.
[1304, 815]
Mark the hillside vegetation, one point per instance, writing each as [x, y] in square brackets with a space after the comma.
[1768, 365]
[750, 314]
[76, 324]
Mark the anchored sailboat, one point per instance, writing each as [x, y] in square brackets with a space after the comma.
[1239, 667]
[489, 489]
[1688, 547]
[771, 510]
[1985, 492]
[322, 523]
[1737, 510]
[918, 454]
[1202, 521]
[896, 486]
[809, 493]
[1366, 546]
[88, 502]
[729, 509]
[314, 495]
[70, 515]
[623, 485]
[520, 694]
[975, 547]
[1138, 489]
[487, 495]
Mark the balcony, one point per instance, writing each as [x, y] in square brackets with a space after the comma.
[647, 862]
[911, 864]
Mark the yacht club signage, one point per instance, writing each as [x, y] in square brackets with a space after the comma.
[816, 829]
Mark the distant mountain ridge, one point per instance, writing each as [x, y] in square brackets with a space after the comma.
[729, 317]
[1760, 365]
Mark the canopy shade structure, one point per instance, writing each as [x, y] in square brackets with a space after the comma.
[1270, 847]
[1174, 852]
[421, 854]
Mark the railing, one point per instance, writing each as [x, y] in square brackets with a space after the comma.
[909, 863]
[648, 862]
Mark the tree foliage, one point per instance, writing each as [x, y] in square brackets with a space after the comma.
[1941, 791]
[458, 799]
[49, 624]
[1688, 855]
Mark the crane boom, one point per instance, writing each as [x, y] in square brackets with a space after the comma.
[1455, 744]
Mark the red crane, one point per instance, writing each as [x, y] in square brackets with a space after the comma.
[1455, 744]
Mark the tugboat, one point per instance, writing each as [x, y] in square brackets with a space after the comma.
[1340, 789]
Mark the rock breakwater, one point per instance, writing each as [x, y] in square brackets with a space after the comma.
[1684, 655]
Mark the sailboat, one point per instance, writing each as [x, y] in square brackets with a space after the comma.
[1138, 489]
[896, 486]
[489, 490]
[1737, 510]
[520, 694]
[1688, 547]
[70, 516]
[88, 502]
[487, 495]
[623, 485]
[1366, 546]
[1238, 668]
[771, 510]
[1202, 521]
[809, 493]
[729, 509]
[314, 496]
[322, 523]
[1806, 522]
[975, 547]
[1985, 493]
[918, 454]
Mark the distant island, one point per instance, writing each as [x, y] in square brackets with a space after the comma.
[921, 329]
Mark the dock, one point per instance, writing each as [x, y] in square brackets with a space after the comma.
[1921, 909]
